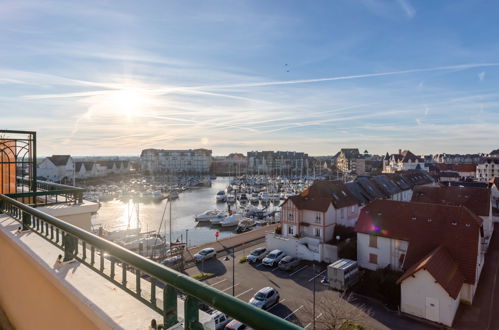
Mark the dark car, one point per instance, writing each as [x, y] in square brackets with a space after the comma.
[289, 263]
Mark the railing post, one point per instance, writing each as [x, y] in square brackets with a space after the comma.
[101, 260]
[70, 246]
[137, 281]
[92, 255]
[153, 291]
[123, 275]
[26, 220]
[169, 306]
[191, 313]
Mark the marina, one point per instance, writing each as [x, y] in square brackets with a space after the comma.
[197, 213]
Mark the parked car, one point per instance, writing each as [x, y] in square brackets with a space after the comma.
[265, 298]
[172, 262]
[205, 254]
[221, 320]
[273, 258]
[236, 325]
[257, 255]
[288, 263]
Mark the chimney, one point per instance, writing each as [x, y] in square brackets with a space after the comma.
[400, 151]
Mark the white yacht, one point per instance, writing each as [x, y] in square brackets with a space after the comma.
[218, 218]
[206, 215]
[221, 197]
[232, 220]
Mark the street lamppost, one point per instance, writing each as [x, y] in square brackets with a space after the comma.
[233, 270]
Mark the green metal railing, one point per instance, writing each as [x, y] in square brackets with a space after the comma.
[48, 193]
[164, 284]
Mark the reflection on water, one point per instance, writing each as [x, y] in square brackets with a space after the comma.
[117, 214]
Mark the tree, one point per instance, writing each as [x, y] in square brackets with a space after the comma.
[336, 309]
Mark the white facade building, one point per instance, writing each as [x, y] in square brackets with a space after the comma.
[488, 169]
[176, 161]
[57, 168]
[438, 247]
[403, 161]
[318, 209]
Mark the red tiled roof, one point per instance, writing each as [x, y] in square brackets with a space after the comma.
[474, 198]
[465, 167]
[425, 227]
[321, 194]
[442, 267]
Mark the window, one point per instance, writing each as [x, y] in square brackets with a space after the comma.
[373, 241]
[290, 216]
[317, 217]
[290, 230]
[342, 213]
[373, 258]
[317, 232]
[353, 209]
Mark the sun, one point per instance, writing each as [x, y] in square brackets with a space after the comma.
[128, 102]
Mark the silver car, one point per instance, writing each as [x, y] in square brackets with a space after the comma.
[205, 254]
[257, 255]
[273, 258]
[265, 298]
[221, 320]
[288, 263]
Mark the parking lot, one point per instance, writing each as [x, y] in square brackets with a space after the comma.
[295, 289]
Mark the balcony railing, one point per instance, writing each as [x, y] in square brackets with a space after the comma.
[47, 193]
[103, 256]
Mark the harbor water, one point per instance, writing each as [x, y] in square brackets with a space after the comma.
[117, 214]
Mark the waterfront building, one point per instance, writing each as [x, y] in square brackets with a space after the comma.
[318, 209]
[438, 248]
[193, 161]
[234, 164]
[57, 168]
[351, 161]
[277, 163]
[403, 161]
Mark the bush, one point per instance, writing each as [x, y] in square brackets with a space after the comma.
[380, 284]
[278, 230]
[348, 250]
[203, 276]
[349, 325]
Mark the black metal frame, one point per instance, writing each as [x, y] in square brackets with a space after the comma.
[24, 153]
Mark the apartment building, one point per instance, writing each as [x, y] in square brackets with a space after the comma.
[403, 161]
[351, 161]
[277, 162]
[193, 161]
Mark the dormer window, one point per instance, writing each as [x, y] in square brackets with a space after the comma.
[428, 220]
[413, 218]
[454, 223]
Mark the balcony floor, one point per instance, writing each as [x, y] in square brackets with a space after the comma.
[115, 307]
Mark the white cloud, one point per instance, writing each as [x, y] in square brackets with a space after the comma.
[481, 75]
[408, 9]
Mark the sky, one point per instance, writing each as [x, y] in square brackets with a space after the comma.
[116, 77]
